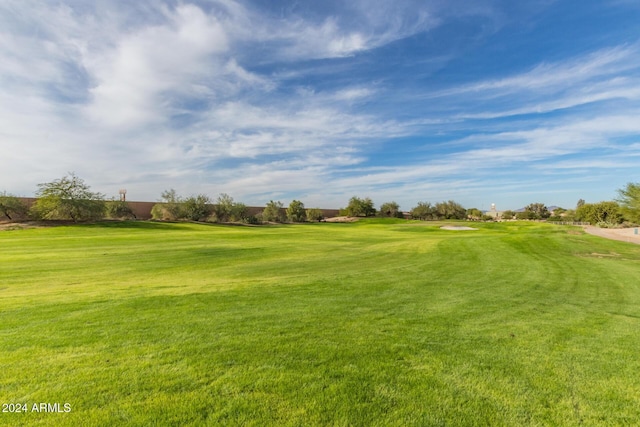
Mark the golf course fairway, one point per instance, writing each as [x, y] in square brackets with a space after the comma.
[372, 323]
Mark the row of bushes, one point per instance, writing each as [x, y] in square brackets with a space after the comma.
[609, 214]
[196, 208]
[225, 209]
[423, 211]
[12, 208]
[69, 198]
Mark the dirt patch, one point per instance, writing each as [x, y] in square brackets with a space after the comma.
[599, 255]
[9, 226]
[23, 225]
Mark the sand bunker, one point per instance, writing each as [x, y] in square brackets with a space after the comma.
[456, 227]
[341, 219]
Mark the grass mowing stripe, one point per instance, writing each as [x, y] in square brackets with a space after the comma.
[373, 323]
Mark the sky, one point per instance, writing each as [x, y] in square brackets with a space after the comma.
[477, 101]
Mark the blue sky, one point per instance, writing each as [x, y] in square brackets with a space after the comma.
[478, 101]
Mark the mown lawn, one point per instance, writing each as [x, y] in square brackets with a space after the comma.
[373, 323]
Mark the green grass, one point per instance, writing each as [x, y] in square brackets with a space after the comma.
[381, 322]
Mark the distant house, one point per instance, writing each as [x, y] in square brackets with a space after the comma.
[493, 212]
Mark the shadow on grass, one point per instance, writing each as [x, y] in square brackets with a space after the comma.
[134, 224]
[168, 225]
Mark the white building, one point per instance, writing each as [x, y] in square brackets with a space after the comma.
[493, 212]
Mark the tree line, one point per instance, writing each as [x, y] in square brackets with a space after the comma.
[70, 198]
[624, 211]
[225, 209]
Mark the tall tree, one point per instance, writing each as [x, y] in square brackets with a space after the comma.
[360, 207]
[273, 212]
[539, 210]
[239, 212]
[172, 203]
[390, 209]
[296, 212]
[423, 211]
[68, 198]
[603, 213]
[197, 208]
[170, 206]
[314, 214]
[474, 213]
[450, 210]
[629, 198]
[224, 207]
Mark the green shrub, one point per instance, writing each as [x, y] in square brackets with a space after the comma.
[603, 212]
[629, 198]
[68, 198]
[251, 219]
[390, 210]
[273, 212]
[119, 209]
[508, 214]
[196, 208]
[450, 210]
[423, 211]
[160, 212]
[296, 212]
[314, 214]
[12, 207]
[360, 207]
[526, 215]
[172, 204]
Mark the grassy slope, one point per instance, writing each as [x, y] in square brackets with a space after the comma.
[373, 323]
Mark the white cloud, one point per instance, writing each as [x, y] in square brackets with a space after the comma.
[608, 75]
[353, 94]
[136, 79]
[149, 97]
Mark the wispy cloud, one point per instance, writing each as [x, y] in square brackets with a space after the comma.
[573, 72]
[608, 74]
[323, 100]
[363, 27]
